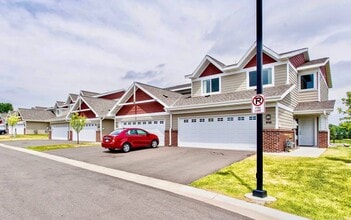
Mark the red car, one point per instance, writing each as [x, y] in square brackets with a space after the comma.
[127, 138]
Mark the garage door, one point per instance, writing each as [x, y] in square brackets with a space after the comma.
[18, 128]
[224, 132]
[153, 126]
[59, 132]
[88, 133]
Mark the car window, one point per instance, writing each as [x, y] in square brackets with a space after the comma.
[141, 132]
[116, 132]
[132, 132]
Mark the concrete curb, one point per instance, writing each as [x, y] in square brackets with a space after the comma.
[234, 205]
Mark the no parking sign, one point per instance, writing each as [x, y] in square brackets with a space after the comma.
[258, 104]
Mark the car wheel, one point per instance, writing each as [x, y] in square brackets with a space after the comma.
[154, 143]
[126, 147]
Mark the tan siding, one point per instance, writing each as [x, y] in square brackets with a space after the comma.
[269, 124]
[196, 88]
[233, 83]
[280, 73]
[37, 127]
[286, 119]
[292, 76]
[308, 96]
[107, 126]
[323, 89]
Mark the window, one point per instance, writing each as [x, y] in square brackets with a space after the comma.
[210, 120]
[230, 119]
[219, 119]
[162, 122]
[149, 122]
[141, 132]
[139, 122]
[252, 118]
[267, 77]
[210, 86]
[144, 122]
[186, 120]
[193, 120]
[241, 118]
[155, 122]
[202, 120]
[307, 81]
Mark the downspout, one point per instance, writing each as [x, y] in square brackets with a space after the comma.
[102, 118]
[170, 128]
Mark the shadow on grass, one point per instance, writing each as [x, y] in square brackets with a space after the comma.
[339, 159]
[226, 173]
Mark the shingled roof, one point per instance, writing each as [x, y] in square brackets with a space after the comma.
[100, 106]
[35, 114]
[315, 106]
[240, 97]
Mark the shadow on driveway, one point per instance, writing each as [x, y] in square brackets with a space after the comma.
[175, 164]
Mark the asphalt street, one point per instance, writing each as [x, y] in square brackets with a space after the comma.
[37, 188]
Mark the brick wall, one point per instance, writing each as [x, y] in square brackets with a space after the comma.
[323, 139]
[274, 139]
[50, 135]
[98, 139]
[174, 138]
[70, 135]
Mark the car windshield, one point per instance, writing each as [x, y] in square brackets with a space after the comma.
[116, 132]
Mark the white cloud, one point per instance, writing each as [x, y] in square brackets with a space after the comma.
[52, 48]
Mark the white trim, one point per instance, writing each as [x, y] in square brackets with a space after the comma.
[142, 115]
[276, 126]
[315, 131]
[108, 93]
[312, 66]
[287, 74]
[319, 85]
[210, 78]
[314, 81]
[170, 129]
[216, 115]
[290, 64]
[217, 75]
[268, 66]
[138, 102]
[81, 110]
[285, 107]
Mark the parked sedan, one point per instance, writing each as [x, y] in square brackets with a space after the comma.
[127, 138]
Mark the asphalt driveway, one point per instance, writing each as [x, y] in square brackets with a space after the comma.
[175, 164]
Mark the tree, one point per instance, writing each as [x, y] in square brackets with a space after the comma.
[77, 122]
[333, 132]
[346, 119]
[5, 107]
[12, 121]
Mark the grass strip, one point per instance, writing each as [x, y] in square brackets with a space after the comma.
[60, 146]
[317, 188]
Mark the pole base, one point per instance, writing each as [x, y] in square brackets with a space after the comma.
[259, 193]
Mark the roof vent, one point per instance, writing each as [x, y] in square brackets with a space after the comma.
[166, 96]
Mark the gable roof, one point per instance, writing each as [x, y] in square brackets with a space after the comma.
[38, 115]
[233, 98]
[88, 93]
[100, 107]
[71, 97]
[163, 96]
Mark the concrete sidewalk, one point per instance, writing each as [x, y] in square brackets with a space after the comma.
[234, 205]
[313, 152]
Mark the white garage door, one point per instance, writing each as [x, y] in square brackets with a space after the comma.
[88, 133]
[224, 132]
[59, 132]
[18, 128]
[153, 126]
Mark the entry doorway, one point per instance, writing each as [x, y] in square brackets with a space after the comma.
[307, 131]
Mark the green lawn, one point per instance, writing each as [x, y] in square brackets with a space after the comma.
[346, 141]
[317, 188]
[61, 146]
[8, 137]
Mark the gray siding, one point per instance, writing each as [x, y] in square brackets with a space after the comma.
[233, 83]
[37, 127]
[280, 74]
[308, 96]
[107, 126]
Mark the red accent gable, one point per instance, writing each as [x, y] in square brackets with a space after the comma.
[142, 108]
[112, 96]
[87, 114]
[84, 106]
[297, 60]
[140, 96]
[210, 70]
[324, 72]
[265, 59]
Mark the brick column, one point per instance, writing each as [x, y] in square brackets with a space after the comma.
[274, 139]
[174, 136]
[323, 139]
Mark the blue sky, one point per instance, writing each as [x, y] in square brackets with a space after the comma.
[51, 48]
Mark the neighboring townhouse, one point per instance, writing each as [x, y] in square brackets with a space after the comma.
[94, 106]
[217, 113]
[32, 121]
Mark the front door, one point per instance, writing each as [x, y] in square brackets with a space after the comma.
[306, 131]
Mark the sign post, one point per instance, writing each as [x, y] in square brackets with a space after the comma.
[258, 100]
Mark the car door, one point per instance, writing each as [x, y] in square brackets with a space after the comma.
[143, 137]
[134, 138]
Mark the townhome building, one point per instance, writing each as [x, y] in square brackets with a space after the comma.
[217, 112]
